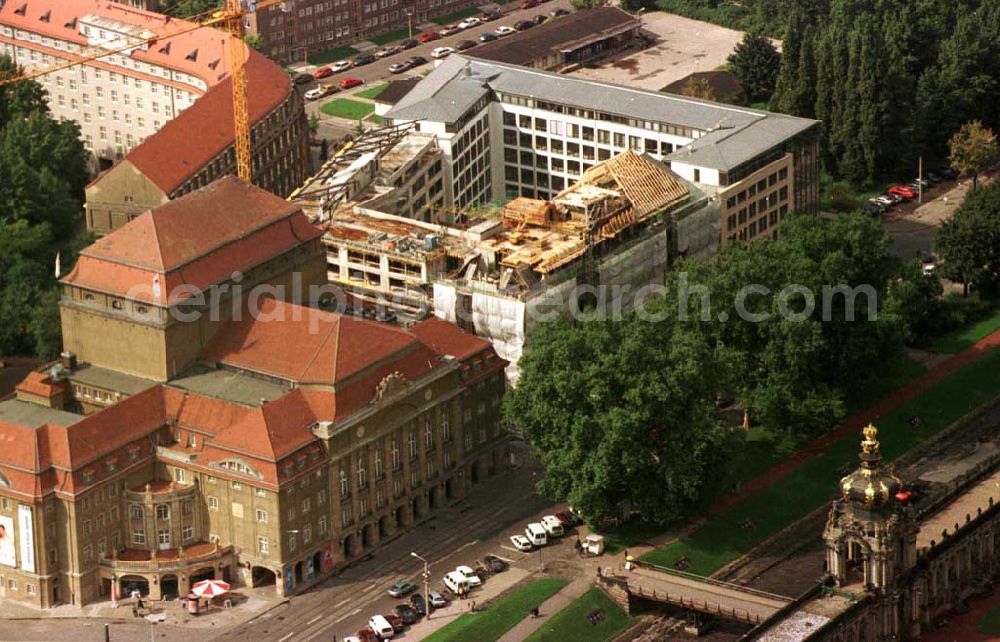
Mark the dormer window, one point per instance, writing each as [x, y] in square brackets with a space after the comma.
[133, 453]
[193, 56]
[111, 465]
[46, 16]
[20, 11]
[88, 476]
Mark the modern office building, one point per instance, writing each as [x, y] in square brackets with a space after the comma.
[510, 131]
[283, 441]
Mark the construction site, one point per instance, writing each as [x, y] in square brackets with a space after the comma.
[400, 255]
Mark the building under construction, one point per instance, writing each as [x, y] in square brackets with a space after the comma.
[392, 246]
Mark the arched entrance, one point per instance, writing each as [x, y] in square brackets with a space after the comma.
[129, 583]
[474, 472]
[447, 488]
[432, 498]
[399, 516]
[349, 546]
[298, 573]
[262, 576]
[366, 537]
[206, 573]
[383, 526]
[169, 586]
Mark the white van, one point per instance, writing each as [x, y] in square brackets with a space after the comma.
[456, 583]
[536, 534]
[381, 627]
[553, 526]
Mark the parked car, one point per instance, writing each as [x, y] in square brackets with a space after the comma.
[396, 622]
[409, 43]
[304, 79]
[949, 173]
[406, 613]
[521, 543]
[318, 92]
[398, 67]
[539, 19]
[469, 23]
[418, 604]
[529, 4]
[402, 588]
[553, 527]
[903, 191]
[350, 82]
[523, 25]
[385, 52]
[450, 30]
[883, 200]
[495, 564]
[442, 52]
[934, 178]
[367, 635]
[437, 600]
[489, 16]
[875, 208]
[504, 30]
[568, 518]
[470, 575]
[366, 59]
[893, 198]
[382, 627]
[488, 37]
[428, 36]
[462, 45]
[416, 61]
[928, 261]
[322, 72]
[556, 13]
[341, 65]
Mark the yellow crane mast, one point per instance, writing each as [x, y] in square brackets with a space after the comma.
[231, 19]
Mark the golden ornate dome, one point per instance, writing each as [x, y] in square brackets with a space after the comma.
[872, 485]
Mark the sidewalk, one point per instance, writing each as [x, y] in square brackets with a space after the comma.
[548, 608]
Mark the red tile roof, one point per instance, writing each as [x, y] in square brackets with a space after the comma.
[272, 431]
[39, 384]
[194, 241]
[59, 19]
[203, 131]
[448, 339]
[306, 345]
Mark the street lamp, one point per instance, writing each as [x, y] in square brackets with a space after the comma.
[409, 21]
[427, 584]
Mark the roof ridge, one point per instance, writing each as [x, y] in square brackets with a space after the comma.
[319, 350]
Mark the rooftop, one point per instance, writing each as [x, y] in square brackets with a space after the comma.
[200, 52]
[727, 135]
[98, 377]
[725, 85]
[565, 34]
[30, 415]
[396, 90]
[227, 385]
[194, 241]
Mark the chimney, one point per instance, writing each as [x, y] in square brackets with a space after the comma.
[68, 361]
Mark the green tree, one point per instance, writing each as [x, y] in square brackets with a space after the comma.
[973, 149]
[621, 414]
[313, 126]
[191, 8]
[756, 62]
[969, 242]
[254, 41]
[698, 88]
[587, 4]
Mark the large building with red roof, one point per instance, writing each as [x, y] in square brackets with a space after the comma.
[164, 110]
[279, 443]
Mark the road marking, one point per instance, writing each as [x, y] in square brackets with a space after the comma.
[286, 637]
[370, 588]
[341, 603]
[318, 617]
[509, 561]
[344, 617]
[508, 548]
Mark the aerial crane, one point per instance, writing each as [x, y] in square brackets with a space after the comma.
[230, 18]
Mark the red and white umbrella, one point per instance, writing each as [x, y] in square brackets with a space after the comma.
[210, 588]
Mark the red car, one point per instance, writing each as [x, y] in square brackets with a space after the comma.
[902, 191]
[350, 82]
[367, 635]
[529, 4]
[323, 72]
[427, 36]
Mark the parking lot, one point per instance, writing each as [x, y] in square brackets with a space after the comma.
[683, 46]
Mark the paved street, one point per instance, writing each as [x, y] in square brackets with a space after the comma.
[379, 70]
[474, 527]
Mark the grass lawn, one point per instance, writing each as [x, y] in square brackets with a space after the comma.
[332, 55]
[347, 108]
[861, 194]
[378, 120]
[961, 338]
[500, 617]
[990, 623]
[459, 15]
[372, 92]
[571, 623]
[393, 36]
[722, 540]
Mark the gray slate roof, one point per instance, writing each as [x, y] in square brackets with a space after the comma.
[734, 134]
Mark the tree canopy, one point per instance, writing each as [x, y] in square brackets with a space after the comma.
[624, 415]
[968, 243]
[43, 163]
[973, 149]
[756, 63]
